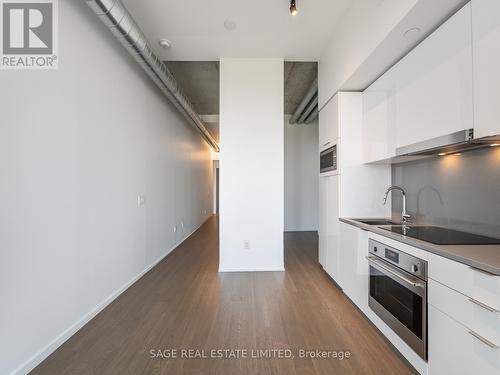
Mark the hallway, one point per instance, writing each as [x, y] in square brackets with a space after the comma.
[184, 303]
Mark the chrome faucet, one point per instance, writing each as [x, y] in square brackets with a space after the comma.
[406, 217]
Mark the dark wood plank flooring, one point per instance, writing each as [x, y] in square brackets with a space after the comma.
[184, 303]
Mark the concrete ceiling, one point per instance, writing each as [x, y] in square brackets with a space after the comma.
[298, 79]
[264, 28]
[200, 82]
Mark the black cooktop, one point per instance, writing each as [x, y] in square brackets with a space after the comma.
[443, 236]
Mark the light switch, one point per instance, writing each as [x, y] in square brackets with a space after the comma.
[141, 200]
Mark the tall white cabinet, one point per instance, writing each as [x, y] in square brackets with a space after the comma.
[357, 189]
[328, 228]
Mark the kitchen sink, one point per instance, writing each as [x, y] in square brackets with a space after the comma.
[377, 221]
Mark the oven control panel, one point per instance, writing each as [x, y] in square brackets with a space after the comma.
[405, 261]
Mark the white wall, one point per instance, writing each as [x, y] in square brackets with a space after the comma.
[355, 37]
[251, 164]
[301, 176]
[77, 146]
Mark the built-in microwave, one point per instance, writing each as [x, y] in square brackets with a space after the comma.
[328, 160]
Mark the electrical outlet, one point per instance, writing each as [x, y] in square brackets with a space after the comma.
[175, 228]
[246, 244]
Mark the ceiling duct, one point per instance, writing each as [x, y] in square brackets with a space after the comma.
[116, 17]
[312, 116]
[307, 106]
[313, 105]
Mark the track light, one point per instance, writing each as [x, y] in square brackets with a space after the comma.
[293, 8]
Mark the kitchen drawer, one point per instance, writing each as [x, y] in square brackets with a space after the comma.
[470, 313]
[474, 283]
[454, 350]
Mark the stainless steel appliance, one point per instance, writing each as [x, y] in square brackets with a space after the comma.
[398, 293]
[460, 141]
[328, 160]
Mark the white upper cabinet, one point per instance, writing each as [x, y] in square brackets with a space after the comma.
[486, 49]
[434, 90]
[329, 124]
[379, 118]
[429, 93]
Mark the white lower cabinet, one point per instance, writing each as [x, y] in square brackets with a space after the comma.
[464, 319]
[476, 284]
[353, 266]
[329, 224]
[480, 318]
[332, 225]
[454, 349]
[322, 232]
[322, 250]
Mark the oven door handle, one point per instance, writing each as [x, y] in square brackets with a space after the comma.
[395, 273]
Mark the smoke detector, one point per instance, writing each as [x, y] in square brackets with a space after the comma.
[165, 43]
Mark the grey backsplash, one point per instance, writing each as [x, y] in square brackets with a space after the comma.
[457, 191]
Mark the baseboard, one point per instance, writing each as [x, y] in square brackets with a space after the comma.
[222, 270]
[43, 353]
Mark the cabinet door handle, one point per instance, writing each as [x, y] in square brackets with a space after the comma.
[480, 304]
[326, 144]
[483, 340]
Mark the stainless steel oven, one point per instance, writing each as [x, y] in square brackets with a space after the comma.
[328, 160]
[398, 293]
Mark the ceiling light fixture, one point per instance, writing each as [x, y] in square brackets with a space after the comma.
[495, 144]
[442, 154]
[293, 8]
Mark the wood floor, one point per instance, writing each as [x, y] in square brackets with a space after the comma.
[184, 303]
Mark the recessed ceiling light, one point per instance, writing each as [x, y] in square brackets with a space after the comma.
[293, 8]
[229, 25]
[165, 43]
[412, 33]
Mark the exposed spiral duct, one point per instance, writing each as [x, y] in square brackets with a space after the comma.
[307, 110]
[116, 17]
